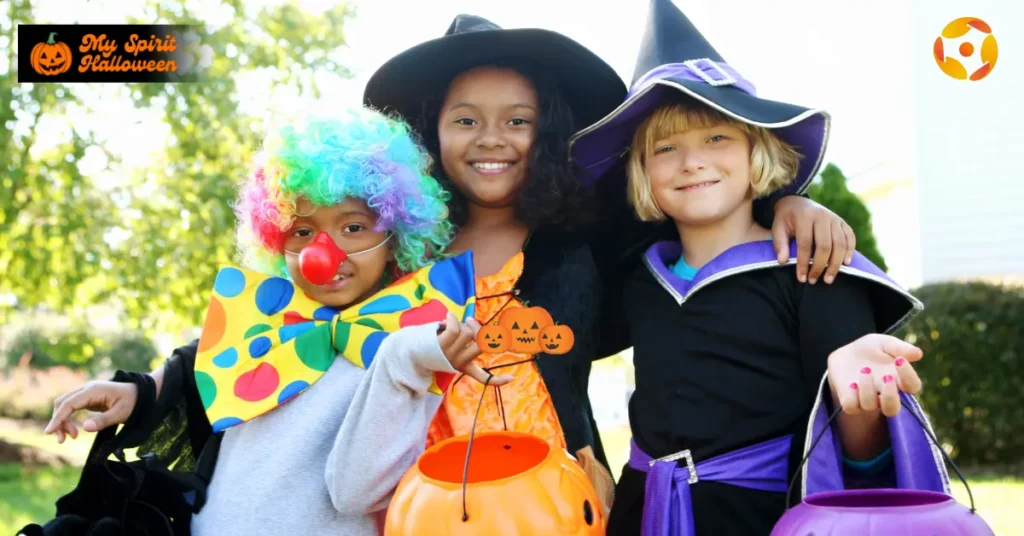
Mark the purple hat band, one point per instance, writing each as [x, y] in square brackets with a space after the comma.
[703, 70]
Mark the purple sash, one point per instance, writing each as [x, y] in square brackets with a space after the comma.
[667, 507]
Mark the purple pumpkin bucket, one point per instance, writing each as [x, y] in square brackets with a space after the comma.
[864, 512]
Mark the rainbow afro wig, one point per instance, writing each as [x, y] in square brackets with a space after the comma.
[363, 155]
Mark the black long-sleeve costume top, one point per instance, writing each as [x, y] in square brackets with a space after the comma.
[738, 363]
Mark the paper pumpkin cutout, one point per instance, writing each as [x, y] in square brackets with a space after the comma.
[556, 339]
[525, 324]
[493, 339]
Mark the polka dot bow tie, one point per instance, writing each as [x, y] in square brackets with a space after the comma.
[264, 341]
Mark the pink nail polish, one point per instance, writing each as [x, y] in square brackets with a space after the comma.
[900, 361]
[865, 370]
[854, 386]
[887, 378]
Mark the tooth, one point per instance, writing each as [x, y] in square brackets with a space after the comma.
[491, 165]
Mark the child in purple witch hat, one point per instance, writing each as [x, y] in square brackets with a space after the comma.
[496, 108]
[732, 353]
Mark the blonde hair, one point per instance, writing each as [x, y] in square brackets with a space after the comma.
[773, 162]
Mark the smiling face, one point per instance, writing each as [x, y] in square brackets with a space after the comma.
[51, 57]
[525, 325]
[351, 225]
[556, 339]
[486, 130]
[701, 175]
[493, 339]
[698, 166]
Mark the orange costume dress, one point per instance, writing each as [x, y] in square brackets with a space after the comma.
[524, 405]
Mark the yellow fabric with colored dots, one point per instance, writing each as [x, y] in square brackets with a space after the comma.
[264, 341]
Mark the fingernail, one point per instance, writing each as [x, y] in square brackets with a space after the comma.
[865, 370]
[900, 361]
[854, 386]
[90, 425]
[829, 279]
[887, 378]
[813, 281]
[802, 278]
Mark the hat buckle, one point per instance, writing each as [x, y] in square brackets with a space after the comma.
[695, 67]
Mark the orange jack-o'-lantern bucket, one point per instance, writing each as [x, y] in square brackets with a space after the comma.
[516, 484]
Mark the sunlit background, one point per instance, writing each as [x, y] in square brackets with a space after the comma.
[934, 160]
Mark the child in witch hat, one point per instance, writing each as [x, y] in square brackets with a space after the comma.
[731, 352]
[496, 108]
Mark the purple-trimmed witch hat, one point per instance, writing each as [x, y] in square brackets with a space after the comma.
[674, 57]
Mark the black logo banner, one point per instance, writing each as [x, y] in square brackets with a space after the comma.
[64, 53]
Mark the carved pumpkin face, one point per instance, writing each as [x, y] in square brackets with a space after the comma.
[555, 339]
[50, 58]
[493, 339]
[525, 324]
[553, 495]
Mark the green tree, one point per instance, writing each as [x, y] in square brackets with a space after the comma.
[832, 192]
[51, 345]
[127, 351]
[152, 243]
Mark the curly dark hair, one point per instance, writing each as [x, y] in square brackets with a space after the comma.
[553, 195]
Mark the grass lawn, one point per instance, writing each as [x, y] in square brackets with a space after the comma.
[28, 497]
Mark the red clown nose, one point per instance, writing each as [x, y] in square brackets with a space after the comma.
[320, 260]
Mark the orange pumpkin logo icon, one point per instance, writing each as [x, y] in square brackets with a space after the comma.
[50, 58]
[957, 50]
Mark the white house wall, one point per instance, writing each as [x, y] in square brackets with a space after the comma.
[969, 147]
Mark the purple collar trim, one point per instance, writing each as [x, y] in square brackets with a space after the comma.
[758, 256]
[702, 70]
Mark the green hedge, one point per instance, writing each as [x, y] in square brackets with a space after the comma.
[973, 369]
[79, 349]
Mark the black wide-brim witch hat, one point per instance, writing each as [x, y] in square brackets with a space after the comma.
[589, 85]
[674, 57]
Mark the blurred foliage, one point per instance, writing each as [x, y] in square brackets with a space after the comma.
[127, 351]
[832, 192]
[42, 343]
[973, 370]
[173, 219]
[41, 347]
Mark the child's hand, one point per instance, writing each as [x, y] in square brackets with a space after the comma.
[114, 399]
[867, 374]
[816, 229]
[458, 342]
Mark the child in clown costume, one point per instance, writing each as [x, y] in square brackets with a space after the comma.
[313, 391]
[738, 365]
